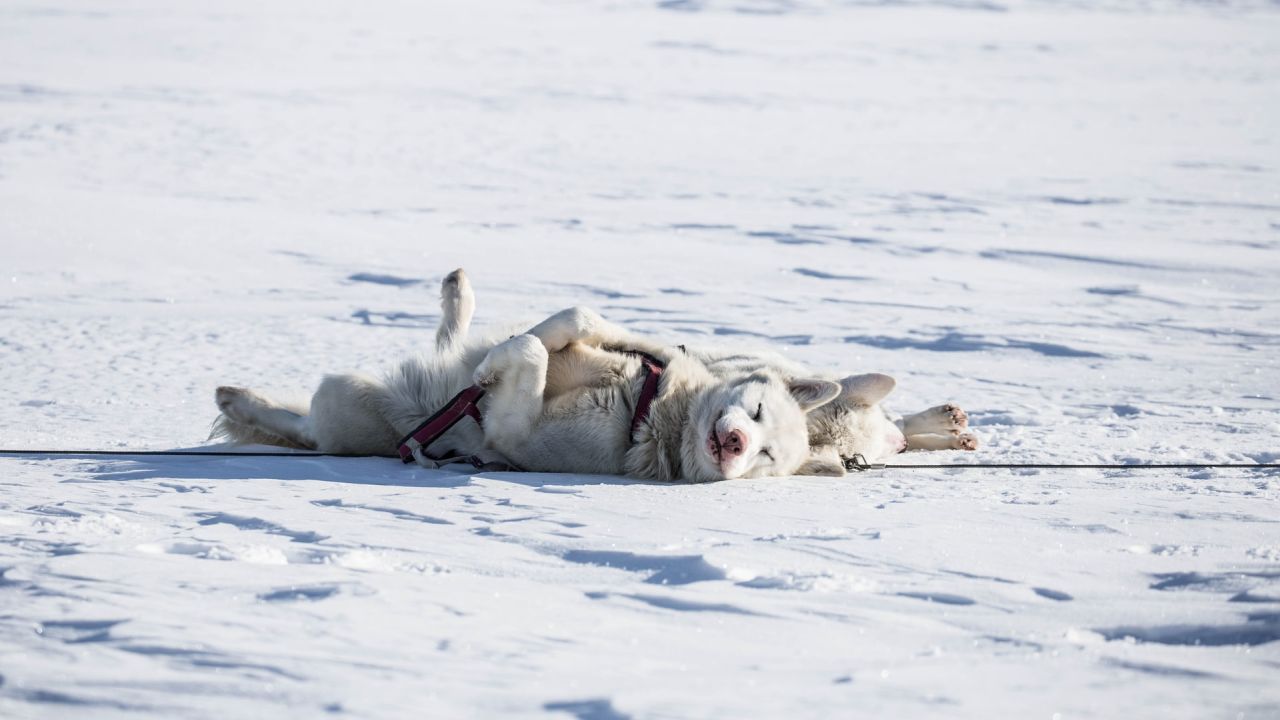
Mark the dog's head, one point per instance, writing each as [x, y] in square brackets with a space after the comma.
[754, 426]
[851, 425]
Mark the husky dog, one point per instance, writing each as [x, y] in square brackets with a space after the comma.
[855, 424]
[699, 428]
[563, 398]
[361, 415]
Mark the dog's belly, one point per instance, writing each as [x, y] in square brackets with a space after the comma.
[583, 430]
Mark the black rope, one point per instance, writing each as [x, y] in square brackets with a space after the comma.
[867, 466]
[1088, 466]
[180, 453]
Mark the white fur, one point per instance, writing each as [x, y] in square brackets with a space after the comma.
[361, 415]
[856, 423]
[567, 379]
[546, 418]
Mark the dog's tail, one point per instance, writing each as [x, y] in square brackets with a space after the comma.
[236, 432]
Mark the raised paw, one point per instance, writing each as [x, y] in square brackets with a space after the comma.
[455, 286]
[457, 305]
[569, 325]
[485, 375]
[521, 351]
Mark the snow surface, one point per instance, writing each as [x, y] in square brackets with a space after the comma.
[1064, 216]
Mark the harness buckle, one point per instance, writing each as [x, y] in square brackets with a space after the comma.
[858, 463]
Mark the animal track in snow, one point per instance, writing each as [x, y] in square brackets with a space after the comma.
[594, 709]
[1257, 629]
[77, 631]
[671, 603]
[1052, 594]
[1231, 582]
[396, 512]
[295, 594]
[257, 554]
[943, 598]
[1165, 550]
[811, 582]
[666, 569]
[252, 523]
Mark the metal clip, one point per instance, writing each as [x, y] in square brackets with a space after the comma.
[859, 463]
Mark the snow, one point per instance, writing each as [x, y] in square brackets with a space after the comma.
[1063, 216]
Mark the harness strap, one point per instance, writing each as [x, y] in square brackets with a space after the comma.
[462, 405]
[653, 368]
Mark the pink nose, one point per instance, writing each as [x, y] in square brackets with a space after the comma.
[732, 444]
[898, 442]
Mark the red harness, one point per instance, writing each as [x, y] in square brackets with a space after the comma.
[462, 405]
[465, 404]
[653, 368]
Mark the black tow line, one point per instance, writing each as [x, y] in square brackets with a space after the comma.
[856, 464]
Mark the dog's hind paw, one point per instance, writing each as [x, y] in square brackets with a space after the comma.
[226, 396]
[455, 286]
[241, 404]
[954, 415]
[966, 441]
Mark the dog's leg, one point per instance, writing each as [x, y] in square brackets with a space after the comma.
[515, 375]
[959, 441]
[246, 407]
[578, 324]
[823, 461]
[347, 417]
[946, 419]
[457, 305]
[574, 432]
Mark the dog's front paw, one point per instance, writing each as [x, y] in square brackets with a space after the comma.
[521, 351]
[485, 375]
[487, 372]
[965, 441]
[946, 419]
[569, 325]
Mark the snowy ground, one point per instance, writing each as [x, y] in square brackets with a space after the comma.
[1064, 216]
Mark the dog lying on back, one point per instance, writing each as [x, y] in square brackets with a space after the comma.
[360, 415]
[561, 398]
[568, 397]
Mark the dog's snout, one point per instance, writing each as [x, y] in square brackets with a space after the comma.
[897, 441]
[733, 443]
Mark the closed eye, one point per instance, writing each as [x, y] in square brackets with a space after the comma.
[765, 452]
[759, 412]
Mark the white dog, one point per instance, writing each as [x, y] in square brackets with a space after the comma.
[570, 396]
[855, 429]
[360, 415]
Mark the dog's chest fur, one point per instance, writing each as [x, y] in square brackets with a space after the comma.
[664, 446]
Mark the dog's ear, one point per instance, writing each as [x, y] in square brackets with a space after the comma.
[812, 392]
[821, 465]
[866, 389]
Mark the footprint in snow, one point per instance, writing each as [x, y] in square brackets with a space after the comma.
[944, 598]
